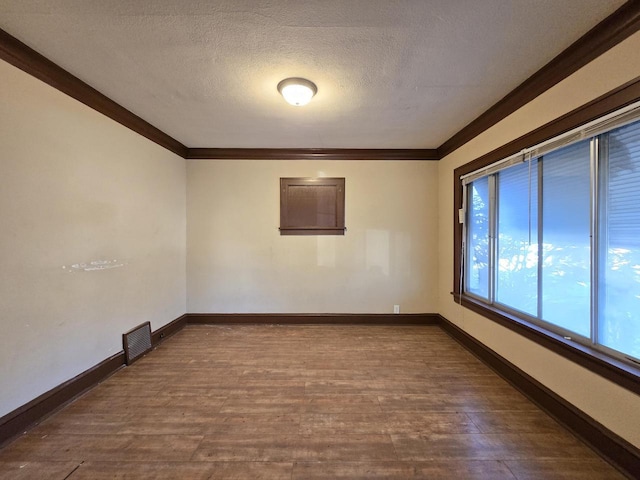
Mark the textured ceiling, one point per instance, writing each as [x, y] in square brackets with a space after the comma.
[390, 74]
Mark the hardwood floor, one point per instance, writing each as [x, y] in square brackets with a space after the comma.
[303, 402]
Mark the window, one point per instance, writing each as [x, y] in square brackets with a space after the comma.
[553, 235]
[566, 239]
[619, 241]
[517, 238]
[478, 239]
[312, 206]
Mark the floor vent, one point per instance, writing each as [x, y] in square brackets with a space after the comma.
[137, 342]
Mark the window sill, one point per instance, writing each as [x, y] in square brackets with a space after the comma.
[616, 371]
[312, 230]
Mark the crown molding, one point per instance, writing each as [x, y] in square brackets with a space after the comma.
[310, 154]
[617, 27]
[19, 55]
[621, 24]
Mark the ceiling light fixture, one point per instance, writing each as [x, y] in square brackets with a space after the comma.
[297, 91]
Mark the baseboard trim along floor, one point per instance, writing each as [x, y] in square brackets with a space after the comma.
[607, 444]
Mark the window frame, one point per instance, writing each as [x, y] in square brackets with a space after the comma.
[602, 360]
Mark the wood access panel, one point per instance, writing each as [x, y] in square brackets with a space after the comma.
[312, 206]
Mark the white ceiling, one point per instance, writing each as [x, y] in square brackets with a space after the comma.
[390, 73]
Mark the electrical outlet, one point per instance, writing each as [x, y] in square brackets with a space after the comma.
[396, 309]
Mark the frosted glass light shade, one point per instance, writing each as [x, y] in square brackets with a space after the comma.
[297, 91]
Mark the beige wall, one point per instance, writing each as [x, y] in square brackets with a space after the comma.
[615, 407]
[238, 262]
[78, 187]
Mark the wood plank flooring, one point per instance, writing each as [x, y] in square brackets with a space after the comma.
[303, 402]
